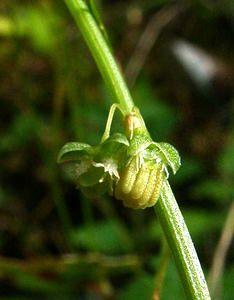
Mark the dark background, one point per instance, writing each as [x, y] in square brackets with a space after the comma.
[178, 59]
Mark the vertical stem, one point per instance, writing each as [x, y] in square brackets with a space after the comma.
[170, 217]
[181, 245]
[101, 53]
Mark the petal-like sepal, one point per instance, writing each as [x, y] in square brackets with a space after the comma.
[170, 156]
[74, 151]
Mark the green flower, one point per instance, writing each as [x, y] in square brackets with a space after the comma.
[94, 169]
[131, 168]
[142, 177]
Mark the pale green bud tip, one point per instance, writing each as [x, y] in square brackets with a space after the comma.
[139, 188]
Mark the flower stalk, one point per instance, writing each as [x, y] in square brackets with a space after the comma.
[167, 210]
[102, 54]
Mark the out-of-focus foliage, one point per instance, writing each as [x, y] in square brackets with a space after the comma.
[56, 244]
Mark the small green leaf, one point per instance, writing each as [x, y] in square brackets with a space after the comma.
[171, 156]
[74, 151]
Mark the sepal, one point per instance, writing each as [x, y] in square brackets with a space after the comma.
[170, 156]
[74, 151]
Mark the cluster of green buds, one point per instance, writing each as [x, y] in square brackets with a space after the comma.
[130, 166]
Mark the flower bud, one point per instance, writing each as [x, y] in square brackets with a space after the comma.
[140, 187]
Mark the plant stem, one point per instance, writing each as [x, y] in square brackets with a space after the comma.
[167, 209]
[102, 54]
[181, 245]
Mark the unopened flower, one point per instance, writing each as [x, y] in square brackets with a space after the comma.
[142, 177]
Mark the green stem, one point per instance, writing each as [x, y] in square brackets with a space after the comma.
[181, 245]
[101, 53]
[167, 209]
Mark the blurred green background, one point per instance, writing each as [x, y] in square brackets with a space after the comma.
[178, 59]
